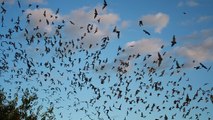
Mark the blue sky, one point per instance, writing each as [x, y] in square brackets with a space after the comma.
[189, 20]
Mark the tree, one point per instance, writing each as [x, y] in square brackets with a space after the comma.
[10, 110]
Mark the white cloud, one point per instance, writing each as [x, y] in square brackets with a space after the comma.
[158, 21]
[197, 46]
[8, 1]
[180, 4]
[144, 46]
[37, 19]
[190, 3]
[29, 1]
[36, 1]
[198, 35]
[199, 52]
[125, 24]
[85, 15]
[109, 19]
[204, 19]
[82, 17]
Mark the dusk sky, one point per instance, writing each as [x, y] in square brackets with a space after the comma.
[122, 60]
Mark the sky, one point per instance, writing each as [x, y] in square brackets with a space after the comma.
[71, 45]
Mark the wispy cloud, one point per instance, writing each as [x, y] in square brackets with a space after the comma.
[190, 3]
[158, 21]
[206, 18]
[36, 1]
[198, 35]
[200, 49]
[199, 52]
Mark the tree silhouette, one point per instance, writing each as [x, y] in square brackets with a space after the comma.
[11, 110]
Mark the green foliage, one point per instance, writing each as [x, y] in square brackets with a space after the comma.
[10, 110]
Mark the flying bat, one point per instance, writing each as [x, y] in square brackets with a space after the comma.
[173, 41]
[95, 14]
[105, 4]
[146, 32]
[140, 23]
[159, 59]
